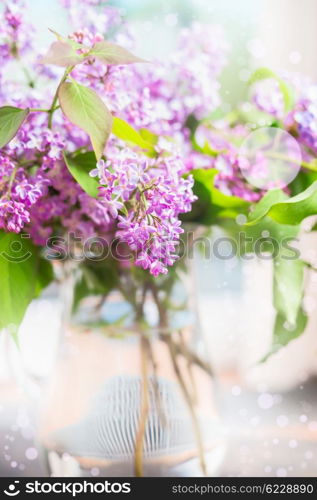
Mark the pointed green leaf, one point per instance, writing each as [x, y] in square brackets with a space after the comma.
[71, 42]
[211, 202]
[207, 178]
[263, 206]
[148, 136]
[295, 209]
[111, 53]
[18, 277]
[288, 293]
[80, 166]
[291, 211]
[285, 333]
[84, 108]
[288, 287]
[11, 119]
[61, 53]
[124, 131]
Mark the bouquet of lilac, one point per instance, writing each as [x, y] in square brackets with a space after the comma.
[99, 147]
[108, 160]
[103, 148]
[100, 153]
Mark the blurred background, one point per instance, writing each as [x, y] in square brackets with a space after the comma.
[268, 411]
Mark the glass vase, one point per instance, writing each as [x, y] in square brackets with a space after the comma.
[132, 391]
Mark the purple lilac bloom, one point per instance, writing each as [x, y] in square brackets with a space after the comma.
[160, 96]
[268, 97]
[14, 32]
[146, 196]
[304, 119]
[140, 198]
[13, 215]
[93, 15]
[228, 163]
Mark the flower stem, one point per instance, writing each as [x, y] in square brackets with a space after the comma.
[175, 350]
[11, 181]
[55, 98]
[280, 156]
[42, 110]
[139, 441]
[190, 405]
[156, 387]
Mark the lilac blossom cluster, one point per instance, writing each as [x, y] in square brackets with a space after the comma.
[301, 120]
[304, 119]
[150, 194]
[228, 163]
[93, 15]
[140, 197]
[18, 196]
[14, 32]
[24, 164]
[268, 97]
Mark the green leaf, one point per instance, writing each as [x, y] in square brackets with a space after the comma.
[295, 209]
[207, 178]
[211, 202]
[288, 287]
[84, 108]
[202, 211]
[148, 136]
[263, 206]
[266, 236]
[80, 166]
[288, 292]
[18, 278]
[227, 201]
[61, 53]
[111, 53]
[72, 43]
[302, 181]
[291, 211]
[11, 119]
[265, 73]
[124, 131]
[285, 333]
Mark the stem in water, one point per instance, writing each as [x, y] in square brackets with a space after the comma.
[144, 411]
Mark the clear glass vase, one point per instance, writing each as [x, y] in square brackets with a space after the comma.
[132, 392]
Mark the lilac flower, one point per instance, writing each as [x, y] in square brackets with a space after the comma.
[30, 193]
[149, 194]
[13, 215]
[268, 97]
[92, 15]
[112, 206]
[157, 268]
[14, 37]
[304, 119]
